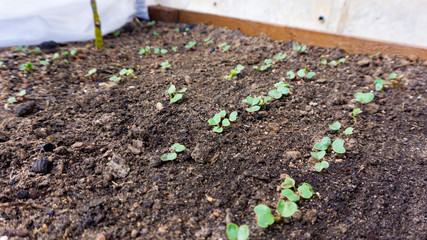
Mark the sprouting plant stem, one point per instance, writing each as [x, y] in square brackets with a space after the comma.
[91, 78]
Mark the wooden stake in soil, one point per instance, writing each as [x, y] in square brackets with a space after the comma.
[98, 34]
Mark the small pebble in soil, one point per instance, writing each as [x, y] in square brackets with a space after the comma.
[42, 166]
[25, 109]
[61, 150]
[212, 49]
[78, 145]
[49, 46]
[48, 147]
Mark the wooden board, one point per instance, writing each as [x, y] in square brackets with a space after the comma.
[351, 45]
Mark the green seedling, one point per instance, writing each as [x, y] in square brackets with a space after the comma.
[90, 74]
[44, 62]
[335, 126]
[208, 41]
[66, 61]
[144, 51]
[11, 100]
[173, 95]
[291, 75]
[267, 64]
[177, 30]
[305, 72]
[115, 78]
[219, 121]
[300, 48]
[165, 65]
[1, 63]
[55, 56]
[235, 232]
[156, 34]
[256, 102]
[35, 50]
[355, 112]
[174, 49]
[348, 131]
[26, 67]
[286, 209]
[172, 156]
[281, 89]
[20, 97]
[392, 76]
[234, 72]
[333, 63]
[21, 49]
[280, 57]
[364, 97]
[320, 166]
[160, 52]
[151, 23]
[379, 84]
[305, 190]
[265, 218]
[224, 46]
[190, 45]
[127, 72]
[116, 33]
[71, 53]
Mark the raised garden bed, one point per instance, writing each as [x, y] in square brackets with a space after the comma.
[103, 173]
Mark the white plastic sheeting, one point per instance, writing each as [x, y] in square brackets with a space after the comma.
[29, 22]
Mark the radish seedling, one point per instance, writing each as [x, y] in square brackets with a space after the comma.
[160, 52]
[267, 64]
[300, 48]
[115, 78]
[127, 72]
[224, 46]
[234, 72]
[305, 190]
[116, 33]
[256, 102]
[379, 84]
[265, 218]
[219, 120]
[156, 34]
[173, 95]
[174, 49]
[305, 72]
[21, 49]
[320, 166]
[44, 62]
[1, 63]
[55, 56]
[165, 65]
[144, 51]
[171, 156]
[151, 23]
[90, 74]
[207, 41]
[333, 63]
[280, 57]
[355, 112]
[190, 45]
[364, 97]
[26, 67]
[281, 89]
[335, 126]
[392, 76]
[235, 232]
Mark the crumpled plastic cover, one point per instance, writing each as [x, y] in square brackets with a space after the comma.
[31, 22]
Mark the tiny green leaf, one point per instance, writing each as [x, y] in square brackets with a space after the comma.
[253, 109]
[217, 129]
[301, 73]
[178, 147]
[183, 90]
[324, 144]
[265, 218]
[364, 97]
[392, 75]
[44, 62]
[338, 147]
[286, 209]
[348, 131]
[320, 166]
[290, 195]
[225, 123]
[55, 56]
[176, 98]
[11, 100]
[190, 44]
[237, 233]
[356, 111]
[92, 71]
[335, 126]
[171, 89]
[333, 63]
[318, 155]
[22, 93]
[310, 75]
[305, 191]
[324, 61]
[288, 183]
[291, 74]
[233, 116]
[115, 78]
[168, 156]
[342, 60]
[222, 113]
[123, 71]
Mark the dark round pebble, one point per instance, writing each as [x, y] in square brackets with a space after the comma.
[48, 147]
[25, 109]
[212, 50]
[42, 166]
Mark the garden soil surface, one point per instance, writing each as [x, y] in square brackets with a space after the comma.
[102, 173]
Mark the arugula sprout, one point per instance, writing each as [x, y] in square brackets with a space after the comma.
[21, 93]
[156, 34]
[379, 84]
[234, 72]
[291, 75]
[44, 62]
[364, 97]
[160, 52]
[90, 73]
[21, 49]
[165, 65]
[144, 51]
[281, 89]
[235, 232]
[127, 72]
[280, 57]
[392, 76]
[355, 112]
[348, 131]
[177, 148]
[320, 166]
[174, 49]
[190, 45]
[12, 100]
[335, 126]
[338, 146]
[71, 53]
[173, 95]
[300, 48]
[286, 209]
[35, 50]
[115, 78]
[267, 64]
[305, 72]
[151, 23]
[116, 33]
[219, 120]
[304, 190]
[333, 63]
[28, 66]
[207, 41]
[224, 46]
[256, 102]
[265, 218]
[55, 56]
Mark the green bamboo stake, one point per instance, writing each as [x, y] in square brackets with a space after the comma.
[98, 34]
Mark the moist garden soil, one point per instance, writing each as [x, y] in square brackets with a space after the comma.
[103, 173]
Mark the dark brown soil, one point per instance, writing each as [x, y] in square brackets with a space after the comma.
[104, 174]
